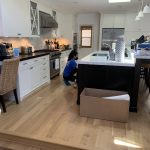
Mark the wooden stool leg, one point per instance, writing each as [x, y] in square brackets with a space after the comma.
[2, 103]
[16, 97]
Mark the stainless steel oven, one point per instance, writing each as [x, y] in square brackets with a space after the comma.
[54, 64]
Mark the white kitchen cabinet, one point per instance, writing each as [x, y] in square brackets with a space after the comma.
[15, 18]
[63, 60]
[32, 74]
[35, 76]
[113, 20]
[44, 70]
[24, 80]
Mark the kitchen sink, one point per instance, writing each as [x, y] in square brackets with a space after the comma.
[102, 55]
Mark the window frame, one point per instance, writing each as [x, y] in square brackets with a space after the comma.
[86, 28]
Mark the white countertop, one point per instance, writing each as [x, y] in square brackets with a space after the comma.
[142, 54]
[100, 60]
[141, 57]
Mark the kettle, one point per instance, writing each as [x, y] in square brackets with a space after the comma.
[26, 50]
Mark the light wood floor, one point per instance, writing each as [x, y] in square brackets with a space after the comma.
[51, 115]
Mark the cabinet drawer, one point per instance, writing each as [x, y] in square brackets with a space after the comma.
[45, 78]
[35, 61]
[45, 64]
[45, 58]
[24, 64]
[44, 70]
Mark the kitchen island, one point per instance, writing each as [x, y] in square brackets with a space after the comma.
[95, 71]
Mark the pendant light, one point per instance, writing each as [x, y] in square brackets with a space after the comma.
[140, 14]
[137, 18]
[146, 9]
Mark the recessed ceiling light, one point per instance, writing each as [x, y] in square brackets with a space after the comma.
[119, 1]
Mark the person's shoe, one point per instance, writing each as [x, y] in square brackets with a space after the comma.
[67, 83]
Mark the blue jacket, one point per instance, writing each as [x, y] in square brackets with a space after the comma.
[70, 67]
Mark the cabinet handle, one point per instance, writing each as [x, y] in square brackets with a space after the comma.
[19, 34]
[31, 68]
[25, 63]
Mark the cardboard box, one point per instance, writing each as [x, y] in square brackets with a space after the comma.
[104, 104]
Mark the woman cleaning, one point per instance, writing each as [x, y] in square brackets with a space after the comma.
[70, 71]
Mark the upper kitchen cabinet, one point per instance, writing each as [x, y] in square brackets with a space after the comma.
[16, 17]
[113, 21]
[34, 16]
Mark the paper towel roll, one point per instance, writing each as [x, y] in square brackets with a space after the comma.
[113, 45]
[120, 48]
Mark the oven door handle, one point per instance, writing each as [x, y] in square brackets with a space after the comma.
[54, 63]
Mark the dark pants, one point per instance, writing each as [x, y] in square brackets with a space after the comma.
[72, 77]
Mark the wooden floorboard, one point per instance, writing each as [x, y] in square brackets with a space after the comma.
[51, 116]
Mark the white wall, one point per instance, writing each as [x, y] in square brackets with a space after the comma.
[133, 29]
[91, 19]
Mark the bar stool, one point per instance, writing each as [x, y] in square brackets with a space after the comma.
[8, 79]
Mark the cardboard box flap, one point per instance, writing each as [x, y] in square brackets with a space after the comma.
[119, 97]
[101, 92]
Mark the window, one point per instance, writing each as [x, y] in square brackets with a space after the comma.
[110, 36]
[86, 36]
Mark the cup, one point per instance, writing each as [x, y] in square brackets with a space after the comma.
[16, 52]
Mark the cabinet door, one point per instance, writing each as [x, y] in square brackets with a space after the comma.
[34, 16]
[113, 21]
[108, 21]
[24, 82]
[45, 72]
[16, 18]
[62, 65]
[119, 21]
[35, 76]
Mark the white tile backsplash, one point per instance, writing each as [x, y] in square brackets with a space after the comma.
[35, 42]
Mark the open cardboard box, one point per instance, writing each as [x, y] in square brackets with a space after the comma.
[104, 104]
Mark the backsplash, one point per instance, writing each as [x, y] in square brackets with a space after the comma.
[35, 42]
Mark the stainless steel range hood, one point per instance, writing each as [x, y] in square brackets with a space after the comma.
[47, 21]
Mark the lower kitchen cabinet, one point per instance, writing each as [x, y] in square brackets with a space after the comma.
[24, 82]
[32, 74]
[63, 60]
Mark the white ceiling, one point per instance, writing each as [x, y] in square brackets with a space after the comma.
[77, 6]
